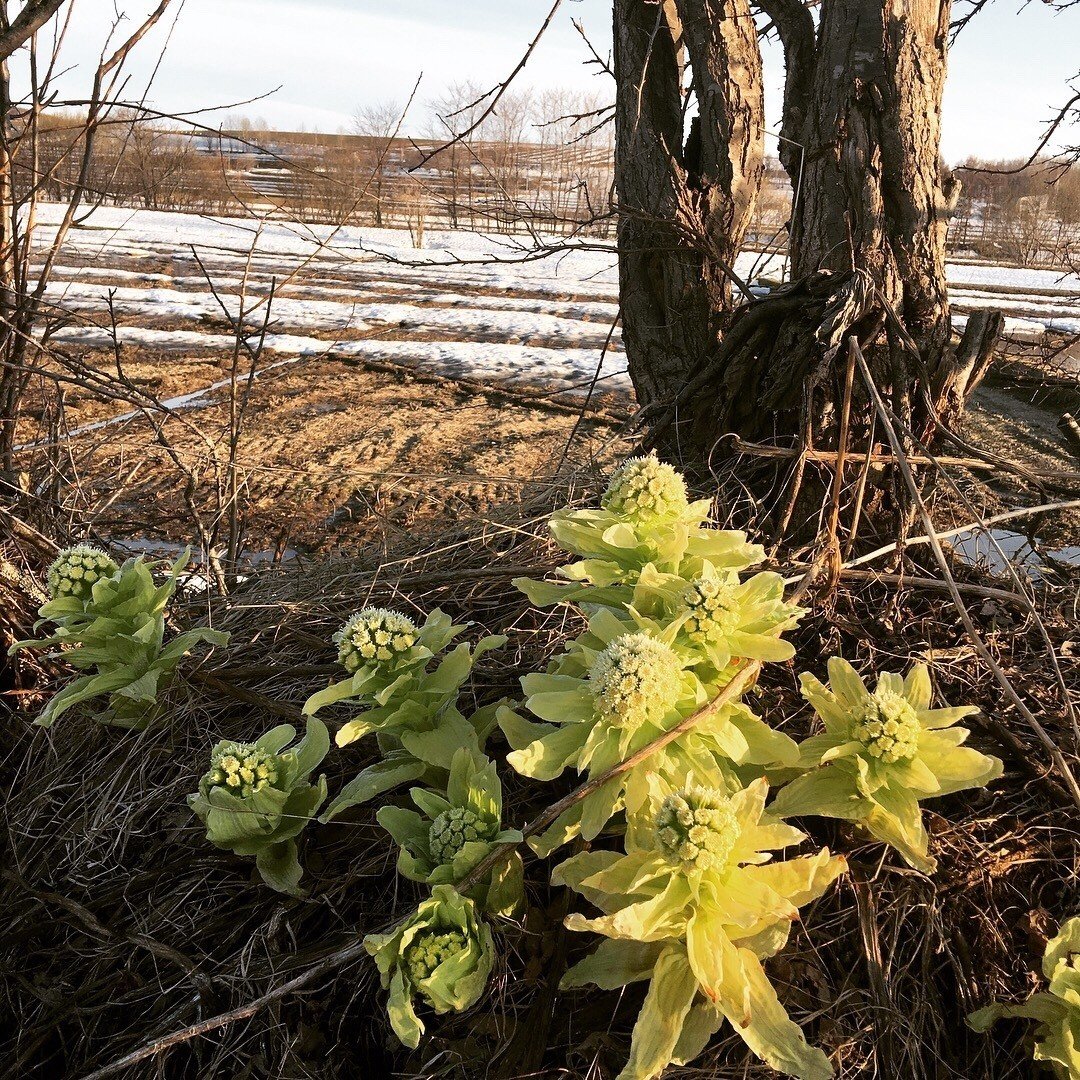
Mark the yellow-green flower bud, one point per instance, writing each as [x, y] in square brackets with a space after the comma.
[697, 829]
[453, 829]
[713, 613]
[888, 728]
[374, 636]
[242, 768]
[76, 569]
[634, 680]
[428, 950]
[646, 489]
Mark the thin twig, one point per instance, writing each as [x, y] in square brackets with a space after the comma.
[935, 544]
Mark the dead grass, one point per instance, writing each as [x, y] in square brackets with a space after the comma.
[120, 924]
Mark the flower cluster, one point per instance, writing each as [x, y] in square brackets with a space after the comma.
[646, 490]
[696, 829]
[454, 828]
[243, 767]
[889, 727]
[427, 951]
[374, 636]
[711, 610]
[76, 569]
[634, 680]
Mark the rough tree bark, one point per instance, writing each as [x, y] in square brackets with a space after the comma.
[685, 201]
[860, 141]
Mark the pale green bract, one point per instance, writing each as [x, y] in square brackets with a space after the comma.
[117, 632]
[645, 520]
[442, 955]
[693, 906]
[455, 830]
[256, 798]
[410, 705]
[882, 753]
[614, 691]
[1056, 1010]
[75, 571]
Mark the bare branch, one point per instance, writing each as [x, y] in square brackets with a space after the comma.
[27, 23]
[498, 92]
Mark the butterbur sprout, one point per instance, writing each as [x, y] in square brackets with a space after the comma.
[634, 680]
[725, 619]
[646, 489]
[109, 622]
[374, 636]
[455, 830]
[693, 906]
[440, 955]
[882, 752]
[1055, 1010]
[256, 798]
[390, 688]
[76, 569]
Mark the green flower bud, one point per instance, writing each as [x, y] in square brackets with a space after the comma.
[889, 727]
[635, 679]
[697, 829]
[76, 569]
[374, 636]
[713, 613]
[242, 768]
[645, 490]
[453, 829]
[428, 950]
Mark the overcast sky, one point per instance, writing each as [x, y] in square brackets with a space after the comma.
[329, 56]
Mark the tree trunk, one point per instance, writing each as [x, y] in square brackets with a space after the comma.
[685, 198]
[860, 141]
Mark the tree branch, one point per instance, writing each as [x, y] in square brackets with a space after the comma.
[27, 23]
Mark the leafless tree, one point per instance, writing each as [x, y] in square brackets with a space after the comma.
[379, 123]
[26, 263]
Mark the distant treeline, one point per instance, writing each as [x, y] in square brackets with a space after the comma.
[542, 162]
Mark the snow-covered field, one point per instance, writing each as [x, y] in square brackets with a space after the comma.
[519, 310]
[348, 424]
